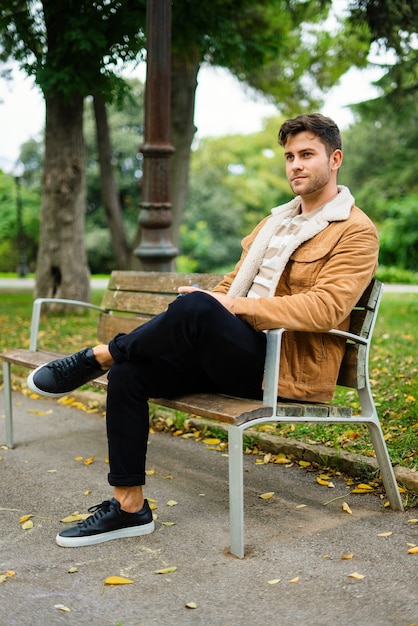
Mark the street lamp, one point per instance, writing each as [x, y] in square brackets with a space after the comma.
[156, 251]
[22, 268]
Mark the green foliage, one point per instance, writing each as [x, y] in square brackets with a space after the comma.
[30, 203]
[235, 181]
[394, 275]
[72, 47]
[399, 235]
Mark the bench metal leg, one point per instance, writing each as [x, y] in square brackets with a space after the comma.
[385, 465]
[236, 491]
[8, 404]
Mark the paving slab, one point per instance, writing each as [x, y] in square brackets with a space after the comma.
[285, 541]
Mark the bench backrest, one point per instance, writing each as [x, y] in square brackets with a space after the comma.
[132, 298]
[354, 367]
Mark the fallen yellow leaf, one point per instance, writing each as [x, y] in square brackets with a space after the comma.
[168, 523]
[89, 461]
[75, 517]
[117, 580]
[267, 495]
[166, 570]
[346, 508]
[413, 550]
[211, 441]
[388, 534]
[25, 518]
[294, 580]
[3, 577]
[322, 481]
[347, 556]
[357, 576]
[413, 521]
[304, 463]
[171, 503]
[27, 525]
[281, 459]
[191, 605]
[72, 570]
[274, 581]
[62, 607]
[363, 488]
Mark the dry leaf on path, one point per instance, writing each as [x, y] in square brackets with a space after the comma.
[27, 525]
[356, 575]
[166, 570]
[346, 508]
[117, 580]
[75, 517]
[388, 534]
[347, 556]
[191, 605]
[413, 550]
[267, 495]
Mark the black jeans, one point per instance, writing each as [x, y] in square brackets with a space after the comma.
[195, 346]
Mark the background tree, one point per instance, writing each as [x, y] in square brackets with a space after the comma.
[277, 47]
[72, 50]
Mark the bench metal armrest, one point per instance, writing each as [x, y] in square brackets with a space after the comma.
[272, 361]
[36, 314]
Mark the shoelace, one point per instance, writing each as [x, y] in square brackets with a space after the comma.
[99, 510]
[64, 368]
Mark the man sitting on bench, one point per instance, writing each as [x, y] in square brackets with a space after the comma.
[303, 268]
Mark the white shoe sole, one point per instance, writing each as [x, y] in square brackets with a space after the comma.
[91, 540]
[32, 386]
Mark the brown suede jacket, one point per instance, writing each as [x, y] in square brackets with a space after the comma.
[317, 290]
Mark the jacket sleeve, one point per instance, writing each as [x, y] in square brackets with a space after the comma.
[320, 292]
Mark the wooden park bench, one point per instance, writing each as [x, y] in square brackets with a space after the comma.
[132, 298]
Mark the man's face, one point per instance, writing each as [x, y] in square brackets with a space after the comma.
[308, 167]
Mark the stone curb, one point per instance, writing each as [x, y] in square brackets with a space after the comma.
[347, 463]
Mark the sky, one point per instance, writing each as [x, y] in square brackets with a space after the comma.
[222, 107]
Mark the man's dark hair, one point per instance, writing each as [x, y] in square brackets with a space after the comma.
[323, 127]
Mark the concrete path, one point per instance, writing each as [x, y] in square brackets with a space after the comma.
[294, 536]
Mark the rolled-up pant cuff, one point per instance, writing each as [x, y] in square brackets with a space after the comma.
[126, 481]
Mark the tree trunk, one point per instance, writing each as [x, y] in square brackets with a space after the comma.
[109, 190]
[62, 269]
[183, 90]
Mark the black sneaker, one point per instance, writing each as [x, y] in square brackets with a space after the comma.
[59, 377]
[107, 522]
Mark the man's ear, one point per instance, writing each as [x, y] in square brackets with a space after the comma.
[336, 159]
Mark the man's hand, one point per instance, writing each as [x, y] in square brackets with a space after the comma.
[226, 301]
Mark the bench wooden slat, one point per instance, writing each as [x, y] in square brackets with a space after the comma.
[157, 282]
[238, 411]
[110, 325]
[134, 302]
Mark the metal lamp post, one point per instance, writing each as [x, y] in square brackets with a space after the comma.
[156, 251]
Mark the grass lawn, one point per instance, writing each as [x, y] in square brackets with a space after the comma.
[393, 369]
